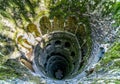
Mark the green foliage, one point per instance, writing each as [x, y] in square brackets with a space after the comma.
[7, 47]
[8, 73]
[116, 12]
[64, 8]
[107, 7]
[13, 70]
[21, 10]
[105, 81]
[8, 70]
[111, 60]
[113, 53]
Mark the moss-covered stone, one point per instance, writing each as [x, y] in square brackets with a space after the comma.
[111, 59]
[8, 73]
[106, 81]
[30, 11]
[112, 55]
[109, 66]
[12, 71]
[8, 70]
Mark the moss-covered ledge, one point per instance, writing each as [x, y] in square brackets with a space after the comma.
[108, 69]
[12, 71]
[113, 54]
[111, 58]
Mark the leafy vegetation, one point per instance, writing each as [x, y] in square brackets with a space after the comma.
[113, 53]
[8, 70]
[64, 8]
[116, 12]
[22, 12]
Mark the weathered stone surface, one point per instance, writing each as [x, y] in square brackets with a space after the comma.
[94, 21]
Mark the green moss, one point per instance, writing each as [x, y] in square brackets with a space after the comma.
[105, 81]
[3, 59]
[117, 82]
[13, 70]
[113, 53]
[8, 73]
[41, 13]
[10, 69]
[111, 60]
[117, 63]
[1, 27]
